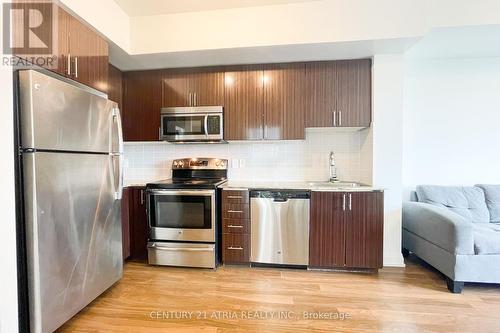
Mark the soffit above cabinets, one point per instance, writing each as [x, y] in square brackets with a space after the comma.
[164, 7]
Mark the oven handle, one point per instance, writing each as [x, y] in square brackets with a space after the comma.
[204, 193]
[187, 249]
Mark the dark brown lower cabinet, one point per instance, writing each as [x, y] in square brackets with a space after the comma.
[134, 219]
[346, 230]
[236, 248]
[235, 227]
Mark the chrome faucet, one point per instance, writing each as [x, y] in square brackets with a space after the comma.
[333, 169]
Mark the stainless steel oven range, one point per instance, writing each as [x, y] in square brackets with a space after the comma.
[183, 214]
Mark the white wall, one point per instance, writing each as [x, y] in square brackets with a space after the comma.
[8, 267]
[257, 161]
[452, 122]
[297, 23]
[388, 80]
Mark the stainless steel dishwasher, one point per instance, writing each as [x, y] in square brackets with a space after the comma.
[280, 227]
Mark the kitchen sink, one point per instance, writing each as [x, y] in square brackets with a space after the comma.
[337, 184]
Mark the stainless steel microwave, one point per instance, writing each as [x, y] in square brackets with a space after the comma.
[192, 124]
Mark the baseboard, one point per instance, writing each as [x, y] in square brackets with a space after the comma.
[395, 261]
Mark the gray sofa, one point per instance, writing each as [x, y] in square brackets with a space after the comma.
[457, 231]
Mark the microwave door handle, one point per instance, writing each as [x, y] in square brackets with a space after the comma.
[206, 126]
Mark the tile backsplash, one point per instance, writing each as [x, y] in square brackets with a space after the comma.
[305, 160]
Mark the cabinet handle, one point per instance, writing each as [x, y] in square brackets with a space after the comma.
[159, 133]
[68, 65]
[239, 248]
[234, 226]
[195, 99]
[234, 197]
[340, 118]
[334, 118]
[343, 202]
[142, 197]
[350, 201]
[76, 67]
[235, 211]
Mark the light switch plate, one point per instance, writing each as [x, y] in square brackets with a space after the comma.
[235, 163]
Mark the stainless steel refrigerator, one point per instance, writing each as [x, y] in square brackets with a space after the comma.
[71, 159]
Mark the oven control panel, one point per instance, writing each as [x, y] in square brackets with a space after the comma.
[200, 163]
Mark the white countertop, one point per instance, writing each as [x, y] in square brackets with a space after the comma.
[295, 186]
[273, 185]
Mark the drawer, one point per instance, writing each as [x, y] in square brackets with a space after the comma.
[181, 254]
[229, 196]
[236, 211]
[235, 248]
[236, 226]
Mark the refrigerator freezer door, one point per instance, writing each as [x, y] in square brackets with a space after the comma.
[74, 244]
[59, 115]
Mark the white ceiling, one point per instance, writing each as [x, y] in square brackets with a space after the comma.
[161, 7]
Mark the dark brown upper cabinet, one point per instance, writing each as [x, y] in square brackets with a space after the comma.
[346, 230]
[244, 103]
[115, 85]
[284, 101]
[141, 105]
[354, 98]
[339, 93]
[82, 55]
[193, 87]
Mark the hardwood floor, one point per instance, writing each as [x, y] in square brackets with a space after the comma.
[413, 299]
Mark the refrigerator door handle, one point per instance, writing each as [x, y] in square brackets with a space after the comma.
[116, 176]
[117, 119]
[117, 126]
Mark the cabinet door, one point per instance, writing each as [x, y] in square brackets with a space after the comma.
[79, 41]
[284, 101]
[176, 88]
[353, 98]
[207, 86]
[141, 105]
[364, 229]
[243, 103]
[321, 93]
[327, 230]
[115, 82]
[98, 62]
[63, 19]
[138, 225]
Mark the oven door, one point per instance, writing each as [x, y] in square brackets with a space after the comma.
[181, 215]
[191, 127]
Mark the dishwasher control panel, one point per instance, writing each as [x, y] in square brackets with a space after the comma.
[280, 195]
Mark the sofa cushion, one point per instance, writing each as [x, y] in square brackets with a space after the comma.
[467, 201]
[486, 238]
[492, 194]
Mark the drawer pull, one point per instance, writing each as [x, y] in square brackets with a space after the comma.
[234, 226]
[239, 248]
[235, 197]
[235, 211]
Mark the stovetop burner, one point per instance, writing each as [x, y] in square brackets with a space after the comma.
[187, 183]
[194, 173]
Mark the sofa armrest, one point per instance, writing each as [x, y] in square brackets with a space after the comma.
[439, 226]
